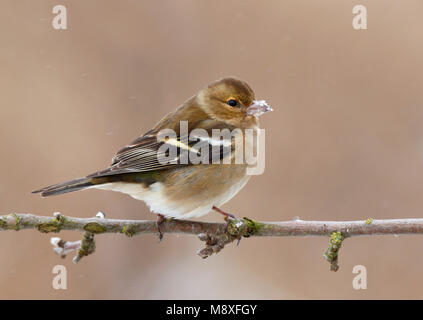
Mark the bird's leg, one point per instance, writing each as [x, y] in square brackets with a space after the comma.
[226, 214]
[159, 221]
[227, 218]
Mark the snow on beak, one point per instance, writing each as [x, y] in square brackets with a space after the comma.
[258, 107]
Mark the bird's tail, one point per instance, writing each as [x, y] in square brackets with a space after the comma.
[69, 186]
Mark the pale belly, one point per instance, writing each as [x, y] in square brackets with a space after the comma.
[187, 192]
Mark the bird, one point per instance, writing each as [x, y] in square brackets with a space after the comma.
[180, 187]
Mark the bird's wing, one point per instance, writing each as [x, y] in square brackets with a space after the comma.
[157, 152]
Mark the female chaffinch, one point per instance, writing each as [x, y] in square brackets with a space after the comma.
[176, 188]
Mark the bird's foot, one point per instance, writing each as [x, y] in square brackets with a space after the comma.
[228, 217]
[159, 221]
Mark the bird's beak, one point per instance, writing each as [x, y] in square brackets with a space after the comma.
[257, 108]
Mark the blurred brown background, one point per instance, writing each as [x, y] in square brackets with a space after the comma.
[345, 140]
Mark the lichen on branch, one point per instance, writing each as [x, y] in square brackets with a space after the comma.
[215, 235]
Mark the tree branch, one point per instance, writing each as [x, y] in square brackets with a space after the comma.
[215, 235]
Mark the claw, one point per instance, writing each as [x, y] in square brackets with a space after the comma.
[239, 241]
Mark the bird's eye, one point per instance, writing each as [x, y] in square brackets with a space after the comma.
[232, 102]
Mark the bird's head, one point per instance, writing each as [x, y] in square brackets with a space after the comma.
[233, 101]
